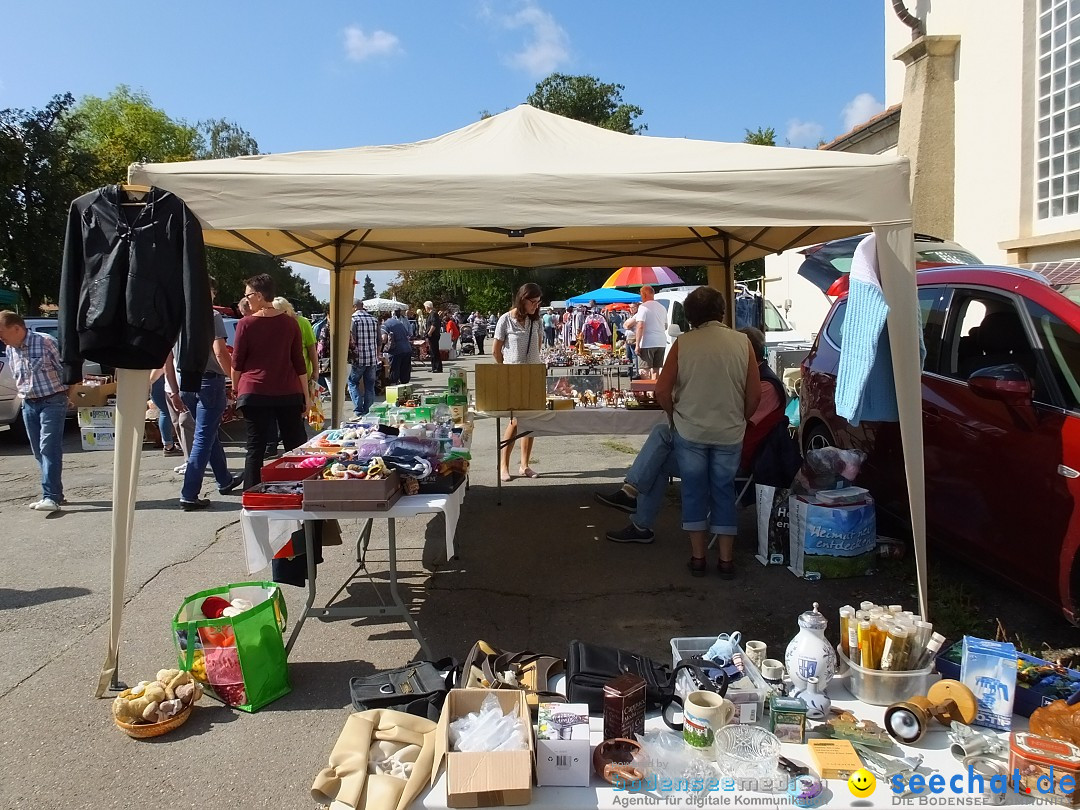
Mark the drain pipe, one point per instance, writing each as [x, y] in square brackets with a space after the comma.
[917, 26]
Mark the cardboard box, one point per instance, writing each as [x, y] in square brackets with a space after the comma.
[828, 542]
[92, 396]
[560, 404]
[484, 779]
[351, 489]
[98, 438]
[562, 745]
[396, 393]
[104, 416]
[511, 387]
[988, 669]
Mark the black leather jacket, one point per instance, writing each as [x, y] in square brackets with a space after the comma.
[133, 279]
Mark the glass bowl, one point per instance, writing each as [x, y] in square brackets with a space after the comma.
[747, 752]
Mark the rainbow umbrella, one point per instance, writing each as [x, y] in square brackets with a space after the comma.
[640, 276]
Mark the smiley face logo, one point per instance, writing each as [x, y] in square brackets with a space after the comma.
[861, 783]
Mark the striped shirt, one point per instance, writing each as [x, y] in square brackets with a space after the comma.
[36, 366]
[365, 338]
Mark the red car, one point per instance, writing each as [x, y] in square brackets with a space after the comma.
[1001, 422]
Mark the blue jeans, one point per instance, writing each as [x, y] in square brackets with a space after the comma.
[164, 422]
[708, 485]
[208, 405]
[44, 420]
[649, 474]
[366, 374]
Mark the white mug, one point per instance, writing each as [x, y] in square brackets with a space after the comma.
[772, 670]
[704, 714]
[755, 651]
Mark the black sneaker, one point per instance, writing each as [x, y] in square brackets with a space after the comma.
[631, 534]
[232, 486]
[618, 500]
[698, 566]
[194, 506]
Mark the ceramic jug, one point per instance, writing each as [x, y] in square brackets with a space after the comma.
[817, 702]
[809, 654]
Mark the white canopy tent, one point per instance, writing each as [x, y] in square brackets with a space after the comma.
[528, 188]
[383, 305]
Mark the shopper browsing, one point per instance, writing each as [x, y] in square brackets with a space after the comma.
[651, 337]
[517, 340]
[39, 381]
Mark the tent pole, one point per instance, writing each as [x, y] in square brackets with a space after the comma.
[722, 278]
[341, 299]
[896, 266]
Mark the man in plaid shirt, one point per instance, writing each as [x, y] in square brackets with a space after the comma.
[35, 362]
[364, 357]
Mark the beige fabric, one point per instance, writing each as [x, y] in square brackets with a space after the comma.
[710, 390]
[372, 736]
[131, 391]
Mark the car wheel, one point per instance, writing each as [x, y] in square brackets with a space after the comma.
[816, 438]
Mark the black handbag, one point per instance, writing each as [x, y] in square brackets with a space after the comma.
[590, 666]
[417, 688]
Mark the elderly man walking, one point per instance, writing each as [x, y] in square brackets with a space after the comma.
[39, 380]
[364, 357]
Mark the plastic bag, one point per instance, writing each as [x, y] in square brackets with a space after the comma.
[664, 755]
[488, 729]
[827, 468]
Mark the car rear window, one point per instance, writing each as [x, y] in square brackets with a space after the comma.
[836, 324]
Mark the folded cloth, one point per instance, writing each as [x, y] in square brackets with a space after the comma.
[371, 738]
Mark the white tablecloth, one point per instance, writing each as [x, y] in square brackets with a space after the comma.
[934, 747]
[266, 531]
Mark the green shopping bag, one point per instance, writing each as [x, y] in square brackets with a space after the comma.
[240, 659]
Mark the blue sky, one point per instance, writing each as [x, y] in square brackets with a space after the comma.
[323, 75]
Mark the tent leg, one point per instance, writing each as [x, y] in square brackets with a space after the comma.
[131, 391]
[341, 298]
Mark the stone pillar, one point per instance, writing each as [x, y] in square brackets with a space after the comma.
[928, 131]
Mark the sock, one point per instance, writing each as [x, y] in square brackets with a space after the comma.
[629, 489]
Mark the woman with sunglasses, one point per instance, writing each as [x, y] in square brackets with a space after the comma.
[517, 340]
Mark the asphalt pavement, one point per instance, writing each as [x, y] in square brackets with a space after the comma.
[533, 573]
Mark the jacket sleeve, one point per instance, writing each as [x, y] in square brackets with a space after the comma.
[71, 274]
[198, 325]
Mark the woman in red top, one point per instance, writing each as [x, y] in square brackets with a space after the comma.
[269, 376]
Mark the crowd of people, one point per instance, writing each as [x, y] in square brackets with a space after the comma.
[721, 398]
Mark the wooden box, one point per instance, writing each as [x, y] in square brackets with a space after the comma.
[511, 387]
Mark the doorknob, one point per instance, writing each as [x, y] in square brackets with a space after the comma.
[1068, 472]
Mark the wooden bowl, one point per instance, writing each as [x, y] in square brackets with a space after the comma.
[144, 731]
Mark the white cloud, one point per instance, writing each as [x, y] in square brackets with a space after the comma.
[360, 46]
[860, 110]
[804, 133]
[549, 46]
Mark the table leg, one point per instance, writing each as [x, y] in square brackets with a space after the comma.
[396, 596]
[309, 547]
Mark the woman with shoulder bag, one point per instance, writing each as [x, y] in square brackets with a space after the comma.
[517, 340]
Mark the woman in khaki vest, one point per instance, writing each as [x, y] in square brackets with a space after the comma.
[709, 387]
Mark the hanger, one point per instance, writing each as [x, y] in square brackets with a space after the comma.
[135, 194]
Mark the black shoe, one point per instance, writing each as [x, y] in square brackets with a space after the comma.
[726, 569]
[618, 500]
[698, 566]
[195, 506]
[631, 534]
[232, 486]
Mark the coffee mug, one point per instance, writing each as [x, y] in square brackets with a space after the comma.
[755, 651]
[704, 713]
[772, 670]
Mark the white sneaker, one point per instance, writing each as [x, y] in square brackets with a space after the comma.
[181, 469]
[46, 505]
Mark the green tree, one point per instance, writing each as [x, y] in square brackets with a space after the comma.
[586, 98]
[369, 288]
[42, 169]
[762, 136]
[127, 128]
[221, 138]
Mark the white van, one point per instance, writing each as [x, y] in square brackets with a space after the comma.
[777, 330]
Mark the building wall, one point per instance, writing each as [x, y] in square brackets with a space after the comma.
[990, 116]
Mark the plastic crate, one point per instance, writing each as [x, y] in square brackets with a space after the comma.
[748, 693]
[285, 469]
[258, 498]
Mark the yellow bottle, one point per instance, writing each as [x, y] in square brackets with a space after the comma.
[866, 646]
[895, 653]
[847, 613]
[878, 631]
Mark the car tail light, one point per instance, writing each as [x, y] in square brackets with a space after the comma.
[838, 287]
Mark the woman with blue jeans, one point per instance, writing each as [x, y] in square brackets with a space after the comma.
[709, 387]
